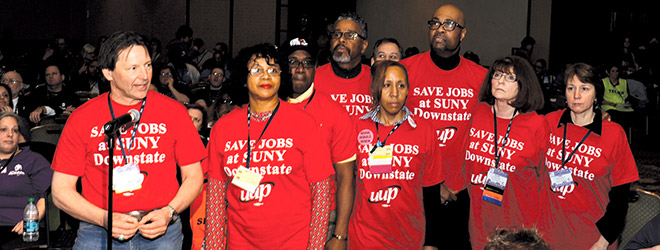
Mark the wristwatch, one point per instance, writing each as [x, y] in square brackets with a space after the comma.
[174, 216]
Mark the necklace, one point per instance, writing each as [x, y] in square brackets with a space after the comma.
[261, 116]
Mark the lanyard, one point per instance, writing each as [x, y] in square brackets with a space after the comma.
[506, 136]
[563, 147]
[380, 144]
[135, 127]
[249, 148]
[310, 99]
[8, 161]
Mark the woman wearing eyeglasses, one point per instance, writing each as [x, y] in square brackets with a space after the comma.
[273, 192]
[587, 193]
[504, 150]
[169, 85]
[397, 155]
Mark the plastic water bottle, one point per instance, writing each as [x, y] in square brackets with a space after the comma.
[30, 222]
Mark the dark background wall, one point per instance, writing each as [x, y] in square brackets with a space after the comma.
[566, 31]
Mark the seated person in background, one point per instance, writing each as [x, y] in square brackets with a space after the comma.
[169, 85]
[648, 237]
[54, 98]
[198, 117]
[6, 106]
[210, 95]
[90, 81]
[523, 239]
[23, 174]
[15, 81]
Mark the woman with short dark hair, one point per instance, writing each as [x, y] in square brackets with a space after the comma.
[278, 196]
[587, 193]
[504, 150]
[397, 155]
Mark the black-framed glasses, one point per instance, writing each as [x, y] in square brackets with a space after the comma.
[507, 77]
[446, 25]
[308, 63]
[349, 35]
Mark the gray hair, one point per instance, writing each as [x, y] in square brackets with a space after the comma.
[355, 18]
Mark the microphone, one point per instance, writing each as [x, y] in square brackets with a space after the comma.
[111, 127]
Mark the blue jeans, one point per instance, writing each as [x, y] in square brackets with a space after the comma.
[94, 237]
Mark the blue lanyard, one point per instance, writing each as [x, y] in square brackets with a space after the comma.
[135, 127]
[249, 148]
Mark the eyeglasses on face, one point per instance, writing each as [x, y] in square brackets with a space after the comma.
[446, 25]
[218, 74]
[166, 75]
[308, 63]
[507, 77]
[348, 35]
[259, 71]
[10, 81]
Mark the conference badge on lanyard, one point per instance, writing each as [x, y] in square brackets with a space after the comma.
[495, 185]
[246, 179]
[127, 178]
[380, 160]
[561, 178]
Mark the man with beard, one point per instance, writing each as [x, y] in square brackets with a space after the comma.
[339, 131]
[444, 89]
[345, 79]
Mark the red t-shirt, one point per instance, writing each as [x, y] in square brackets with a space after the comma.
[352, 93]
[337, 127]
[521, 158]
[389, 208]
[446, 98]
[603, 161]
[290, 156]
[165, 137]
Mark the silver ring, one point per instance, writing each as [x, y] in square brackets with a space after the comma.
[121, 237]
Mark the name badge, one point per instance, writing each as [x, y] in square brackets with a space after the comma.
[561, 178]
[246, 179]
[127, 178]
[380, 161]
[495, 185]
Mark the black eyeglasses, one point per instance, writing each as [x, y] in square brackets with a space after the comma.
[293, 63]
[349, 35]
[446, 25]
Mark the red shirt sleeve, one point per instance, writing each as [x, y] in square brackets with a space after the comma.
[315, 152]
[70, 154]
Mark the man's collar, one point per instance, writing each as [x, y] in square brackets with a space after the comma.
[448, 63]
[345, 73]
[373, 115]
[596, 126]
[302, 96]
